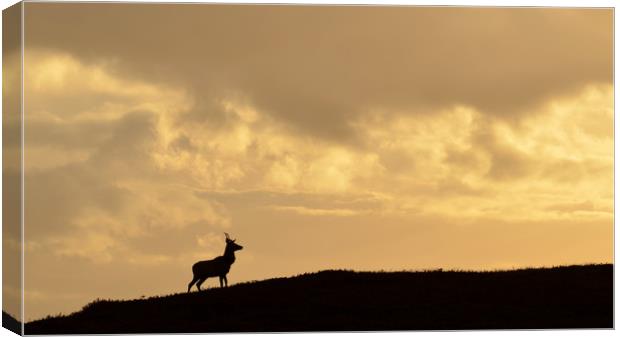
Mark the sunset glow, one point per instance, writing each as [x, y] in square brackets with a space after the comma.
[366, 138]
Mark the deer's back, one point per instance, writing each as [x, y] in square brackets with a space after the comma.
[211, 268]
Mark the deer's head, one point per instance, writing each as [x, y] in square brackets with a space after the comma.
[231, 244]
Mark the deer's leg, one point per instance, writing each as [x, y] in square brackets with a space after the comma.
[221, 281]
[225, 281]
[194, 280]
[200, 283]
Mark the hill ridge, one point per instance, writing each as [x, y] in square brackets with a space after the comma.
[348, 300]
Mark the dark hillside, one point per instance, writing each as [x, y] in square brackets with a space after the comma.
[10, 323]
[551, 298]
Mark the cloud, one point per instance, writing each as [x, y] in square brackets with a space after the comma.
[316, 211]
[139, 166]
[144, 165]
[317, 78]
[90, 174]
[583, 206]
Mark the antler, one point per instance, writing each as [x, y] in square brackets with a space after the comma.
[227, 237]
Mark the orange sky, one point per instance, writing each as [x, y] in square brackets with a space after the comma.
[320, 137]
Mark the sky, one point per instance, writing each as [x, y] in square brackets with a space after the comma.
[366, 138]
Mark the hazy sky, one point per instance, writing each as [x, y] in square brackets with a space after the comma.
[321, 137]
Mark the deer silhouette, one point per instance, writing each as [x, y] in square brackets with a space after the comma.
[220, 266]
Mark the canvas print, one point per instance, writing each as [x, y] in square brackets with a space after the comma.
[196, 168]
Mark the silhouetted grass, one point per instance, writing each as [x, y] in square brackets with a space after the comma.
[333, 300]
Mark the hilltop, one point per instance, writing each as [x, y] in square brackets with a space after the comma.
[338, 300]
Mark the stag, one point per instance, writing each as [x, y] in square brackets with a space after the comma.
[220, 266]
